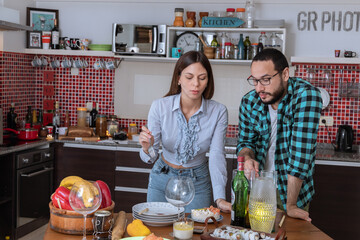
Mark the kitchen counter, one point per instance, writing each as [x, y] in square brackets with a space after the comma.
[24, 146]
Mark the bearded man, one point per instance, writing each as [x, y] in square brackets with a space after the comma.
[278, 126]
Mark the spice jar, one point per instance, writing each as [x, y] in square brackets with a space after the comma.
[240, 13]
[132, 130]
[81, 117]
[179, 21]
[230, 12]
[112, 125]
[101, 125]
[191, 19]
[202, 14]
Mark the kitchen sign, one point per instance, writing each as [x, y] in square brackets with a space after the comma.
[221, 22]
[335, 21]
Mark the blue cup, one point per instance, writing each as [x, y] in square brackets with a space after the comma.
[176, 52]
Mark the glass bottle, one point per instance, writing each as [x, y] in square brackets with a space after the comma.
[67, 119]
[214, 42]
[191, 19]
[275, 42]
[132, 130]
[249, 13]
[34, 117]
[40, 118]
[92, 118]
[254, 50]
[241, 47]
[223, 39]
[55, 35]
[11, 117]
[247, 48]
[239, 196]
[101, 125]
[179, 14]
[56, 120]
[263, 39]
[81, 117]
[202, 14]
[28, 118]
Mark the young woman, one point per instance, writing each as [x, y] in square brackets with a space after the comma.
[188, 124]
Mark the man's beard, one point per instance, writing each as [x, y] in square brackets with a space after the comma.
[277, 95]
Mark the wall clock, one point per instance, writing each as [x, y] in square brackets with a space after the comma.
[187, 41]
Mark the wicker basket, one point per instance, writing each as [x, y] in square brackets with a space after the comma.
[71, 222]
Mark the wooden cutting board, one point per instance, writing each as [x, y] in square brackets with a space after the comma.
[207, 236]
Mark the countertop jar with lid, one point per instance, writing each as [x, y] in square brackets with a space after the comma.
[132, 130]
[112, 125]
[81, 117]
[230, 12]
[101, 125]
[179, 17]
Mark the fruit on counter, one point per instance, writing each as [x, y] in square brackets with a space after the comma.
[152, 236]
[60, 198]
[105, 193]
[137, 228]
[69, 181]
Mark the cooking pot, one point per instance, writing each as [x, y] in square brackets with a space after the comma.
[344, 138]
[27, 133]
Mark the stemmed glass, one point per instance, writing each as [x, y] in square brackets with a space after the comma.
[85, 198]
[179, 191]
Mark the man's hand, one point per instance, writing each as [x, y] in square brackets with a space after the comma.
[295, 212]
[251, 165]
[223, 205]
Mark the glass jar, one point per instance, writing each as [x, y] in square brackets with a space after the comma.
[101, 125]
[179, 14]
[81, 117]
[230, 12]
[254, 50]
[112, 125]
[240, 13]
[132, 130]
[228, 50]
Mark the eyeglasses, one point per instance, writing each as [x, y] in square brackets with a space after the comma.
[263, 81]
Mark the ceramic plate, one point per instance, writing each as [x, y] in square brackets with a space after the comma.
[139, 238]
[157, 209]
[210, 220]
[325, 97]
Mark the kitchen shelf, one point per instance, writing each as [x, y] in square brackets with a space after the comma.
[327, 60]
[9, 26]
[69, 52]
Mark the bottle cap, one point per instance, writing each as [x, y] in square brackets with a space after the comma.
[230, 9]
[240, 158]
[255, 44]
[262, 32]
[132, 124]
[81, 109]
[179, 10]
[228, 44]
[240, 9]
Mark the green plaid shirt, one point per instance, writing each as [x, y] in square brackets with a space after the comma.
[298, 117]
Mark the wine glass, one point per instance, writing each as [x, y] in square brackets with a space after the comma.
[85, 198]
[179, 191]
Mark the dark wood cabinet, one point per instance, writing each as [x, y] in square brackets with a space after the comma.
[335, 208]
[90, 164]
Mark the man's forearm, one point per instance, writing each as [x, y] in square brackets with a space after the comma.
[293, 189]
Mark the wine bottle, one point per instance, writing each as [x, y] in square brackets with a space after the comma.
[93, 113]
[55, 34]
[239, 196]
[247, 45]
[11, 117]
[56, 120]
[28, 118]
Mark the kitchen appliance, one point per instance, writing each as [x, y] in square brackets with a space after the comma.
[27, 133]
[135, 39]
[344, 138]
[34, 186]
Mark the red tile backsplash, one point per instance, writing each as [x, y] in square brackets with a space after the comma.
[24, 85]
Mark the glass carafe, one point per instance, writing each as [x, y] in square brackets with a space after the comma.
[262, 202]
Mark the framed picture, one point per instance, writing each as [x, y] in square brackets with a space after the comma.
[41, 19]
[33, 39]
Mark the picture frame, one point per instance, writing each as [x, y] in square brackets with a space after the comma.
[34, 39]
[41, 19]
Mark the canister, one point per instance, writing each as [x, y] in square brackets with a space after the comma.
[81, 117]
[132, 130]
[101, 125]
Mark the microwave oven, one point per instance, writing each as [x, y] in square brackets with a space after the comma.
[136, 39]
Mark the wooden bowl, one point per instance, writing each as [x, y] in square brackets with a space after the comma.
[71, 222]
[209, 52]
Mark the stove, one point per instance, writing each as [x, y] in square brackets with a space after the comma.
[14, 141]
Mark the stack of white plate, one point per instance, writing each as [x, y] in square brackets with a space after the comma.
[157, 214]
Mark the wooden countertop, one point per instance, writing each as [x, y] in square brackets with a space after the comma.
[295, 229]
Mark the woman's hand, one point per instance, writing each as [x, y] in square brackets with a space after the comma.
[223, 205]
[146, 139]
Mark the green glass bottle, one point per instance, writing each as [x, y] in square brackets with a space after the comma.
[239, 196]
[214, 42]
[247, 45]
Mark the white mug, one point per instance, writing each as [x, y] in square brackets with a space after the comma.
[36, 62]
[62, 130]
[99, 64]
[55, 63]
[44, 61]
[110, 65]
[78, 63]
[66, 63]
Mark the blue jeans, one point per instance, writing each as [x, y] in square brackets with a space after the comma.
[161, 173]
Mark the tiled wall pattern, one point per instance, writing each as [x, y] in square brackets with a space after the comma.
[23, 84]
[344, 90]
